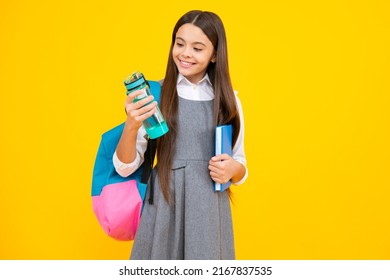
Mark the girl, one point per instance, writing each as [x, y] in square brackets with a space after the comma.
[188, 220]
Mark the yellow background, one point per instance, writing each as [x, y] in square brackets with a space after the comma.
[313, 78]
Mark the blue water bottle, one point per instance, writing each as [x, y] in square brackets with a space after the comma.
[155, 125]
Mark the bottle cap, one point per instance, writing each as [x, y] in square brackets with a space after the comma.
[134, 80]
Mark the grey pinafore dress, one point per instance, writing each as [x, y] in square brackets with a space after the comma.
[198, 224]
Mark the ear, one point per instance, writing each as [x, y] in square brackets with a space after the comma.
[214, 58]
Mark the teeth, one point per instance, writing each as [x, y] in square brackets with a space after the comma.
[186, 63]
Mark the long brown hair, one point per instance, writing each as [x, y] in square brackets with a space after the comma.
[225, 107]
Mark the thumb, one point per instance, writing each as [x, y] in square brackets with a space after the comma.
[220, 157]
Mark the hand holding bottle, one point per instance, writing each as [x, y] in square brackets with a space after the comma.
[138, 90]
[138, 111]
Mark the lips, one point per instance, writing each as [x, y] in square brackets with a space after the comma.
[186, 64]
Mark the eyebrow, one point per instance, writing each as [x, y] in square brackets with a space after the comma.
[194, 43]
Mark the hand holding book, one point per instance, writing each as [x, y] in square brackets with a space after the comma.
[220, 171]
[220, 163]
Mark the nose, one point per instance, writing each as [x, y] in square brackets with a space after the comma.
[187, 52]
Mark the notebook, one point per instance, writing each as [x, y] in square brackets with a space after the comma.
[223, 145]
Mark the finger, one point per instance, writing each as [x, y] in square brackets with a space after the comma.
[134, 94]
[144, 116]
[217, 163]
[144, 100]
[140, 102]
[221, 157]
[218, 179]
[143, 112]
[214, 178]
[130, 97]
[214, 175]
[144, 109]
[147, 113]
[213, 168]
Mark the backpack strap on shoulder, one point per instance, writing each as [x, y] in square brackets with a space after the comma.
[150, 152]
[148, 167]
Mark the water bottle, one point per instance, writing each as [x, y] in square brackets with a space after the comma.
[155, 125]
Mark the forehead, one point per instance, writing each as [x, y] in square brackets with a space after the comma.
[192, 34]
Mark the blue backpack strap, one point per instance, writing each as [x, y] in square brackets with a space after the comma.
[155, 88]
[104, 172]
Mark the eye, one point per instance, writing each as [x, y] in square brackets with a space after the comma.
[179, 44]
[198, 50]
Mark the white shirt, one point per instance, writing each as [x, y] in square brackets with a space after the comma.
[201, 91]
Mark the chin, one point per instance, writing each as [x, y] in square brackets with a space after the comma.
[185, 73]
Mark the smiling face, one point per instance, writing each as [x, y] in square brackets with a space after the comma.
[192, 52]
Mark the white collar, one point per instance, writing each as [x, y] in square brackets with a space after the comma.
[183, 80]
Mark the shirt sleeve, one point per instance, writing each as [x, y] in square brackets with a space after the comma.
[238, 150]
[126, 169]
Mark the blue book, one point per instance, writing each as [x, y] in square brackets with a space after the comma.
[223, 145]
